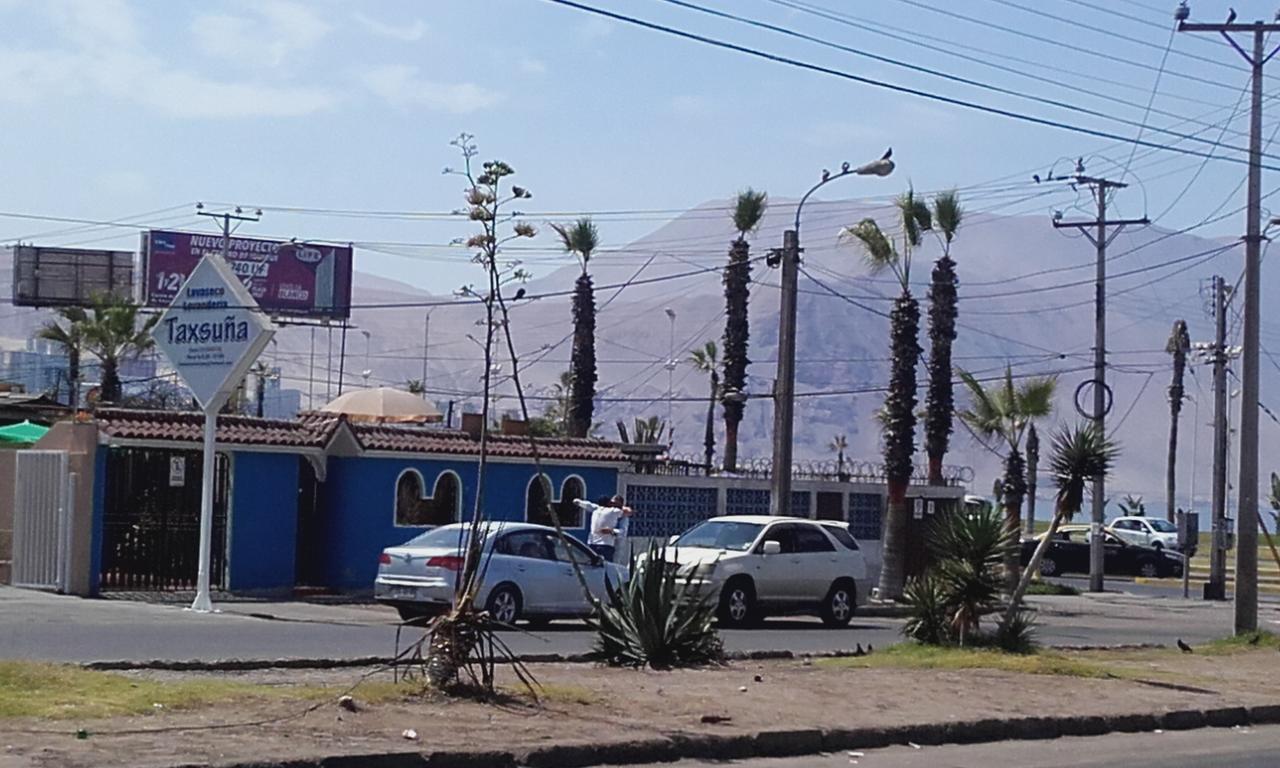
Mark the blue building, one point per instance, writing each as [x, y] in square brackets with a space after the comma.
[310, 503]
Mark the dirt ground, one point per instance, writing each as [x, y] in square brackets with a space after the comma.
[590, 704]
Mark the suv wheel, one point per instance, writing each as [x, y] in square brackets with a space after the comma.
[838, 605]
[1148, 569]
[737, 603]
[1048, 566]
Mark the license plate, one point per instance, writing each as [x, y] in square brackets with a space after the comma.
[403, 593]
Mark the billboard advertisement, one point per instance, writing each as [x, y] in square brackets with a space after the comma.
[298, 279]
[58, 277]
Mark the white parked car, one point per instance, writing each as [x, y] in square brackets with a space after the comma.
[1147, 531]
[528, 573]
[759, 564]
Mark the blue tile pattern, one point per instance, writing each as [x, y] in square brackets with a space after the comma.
[746, 501]
[800, 503]
[866, 511]
[664, 510]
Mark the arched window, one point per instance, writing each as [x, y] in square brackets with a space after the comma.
[536, 498]
[415, 508]
[571, 490]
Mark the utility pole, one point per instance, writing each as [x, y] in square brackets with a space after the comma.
[426, 345]
[1216, 588]
[311, 373]
[1101, 393]
[784, 387]
[1246, 604]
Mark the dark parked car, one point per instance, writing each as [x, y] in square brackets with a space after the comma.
[1069, 553]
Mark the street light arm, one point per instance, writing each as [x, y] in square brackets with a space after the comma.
[882, 167]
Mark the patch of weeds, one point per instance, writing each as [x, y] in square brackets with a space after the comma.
[1051, 588]
[1241, 643]
[912, 655]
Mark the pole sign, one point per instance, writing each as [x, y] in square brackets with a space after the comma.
[212, 332]
[309, 280]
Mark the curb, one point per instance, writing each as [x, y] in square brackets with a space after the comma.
[793, 743]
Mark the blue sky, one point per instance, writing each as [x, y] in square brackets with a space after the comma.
[117, 109]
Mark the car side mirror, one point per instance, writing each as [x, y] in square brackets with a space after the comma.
[772, 548]
[671, 542]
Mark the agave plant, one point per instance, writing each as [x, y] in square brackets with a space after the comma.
[658, 618]
[970, 548]
[926, 601]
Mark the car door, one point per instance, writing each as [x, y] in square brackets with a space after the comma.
[567, 589]
[1117, 555]
[772, 572]
[530, 563]
[1072, 552]
[814, 563]
[1130, 531]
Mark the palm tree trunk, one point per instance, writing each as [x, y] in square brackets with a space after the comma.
[935, 471]
[1170, 477]
[1033, 566]
[730, 444]
[709, 439]
[893, 546]
[110, 387]
[1033, 464]
[583, 358]
[1014, 489]
[73, 374]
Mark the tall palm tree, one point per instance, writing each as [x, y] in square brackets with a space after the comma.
[582, 239]
[116, 334]
[707, 361]
[943, 307]
[1003, 414]
[1033, 467]
[1080, 455]
[899, 419]
[1178, 346]
[71, 338]
[747, 213]
[839, 444]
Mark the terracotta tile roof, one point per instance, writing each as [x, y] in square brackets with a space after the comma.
[455, 442]
[188, 427]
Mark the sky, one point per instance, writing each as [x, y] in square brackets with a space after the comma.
[133, 111]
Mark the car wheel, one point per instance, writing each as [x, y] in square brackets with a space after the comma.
[838, 606]
[1048, 566]
[1148, 569]
[1158, 547]
[503, 604]
[737, 603]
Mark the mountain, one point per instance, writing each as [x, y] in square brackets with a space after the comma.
[1039, 324]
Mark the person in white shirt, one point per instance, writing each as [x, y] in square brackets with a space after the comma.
[609, 522]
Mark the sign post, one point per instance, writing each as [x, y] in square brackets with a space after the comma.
[211, 333]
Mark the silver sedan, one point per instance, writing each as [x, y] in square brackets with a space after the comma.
[528, 573]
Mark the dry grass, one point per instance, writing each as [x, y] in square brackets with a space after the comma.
[916, 656]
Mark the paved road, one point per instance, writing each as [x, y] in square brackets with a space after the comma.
[1207, 748]
[35, 625]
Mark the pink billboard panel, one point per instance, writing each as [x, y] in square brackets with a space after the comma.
[286, 278]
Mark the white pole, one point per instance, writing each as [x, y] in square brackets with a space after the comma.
[203, 603]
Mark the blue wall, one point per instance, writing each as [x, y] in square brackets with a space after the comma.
[360, 505]
[263, 529]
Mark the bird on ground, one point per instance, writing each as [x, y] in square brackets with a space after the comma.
[857, 651]
[869, 648]
[1183, 646]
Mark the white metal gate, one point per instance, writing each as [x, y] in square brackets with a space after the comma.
[42, 520]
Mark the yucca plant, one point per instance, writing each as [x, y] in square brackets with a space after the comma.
[658, 618]
[969, 548]
[926, 601]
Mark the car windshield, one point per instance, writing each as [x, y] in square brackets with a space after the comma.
[721, 535]
[1163, 526]
[444, 536]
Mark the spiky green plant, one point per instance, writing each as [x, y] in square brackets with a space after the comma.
[943, 310]
[899, 421]
[969, 549]
[581, 238]
[747, 212]
[926, 601]
[658, 618]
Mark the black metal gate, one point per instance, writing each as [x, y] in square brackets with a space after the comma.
[151, 520]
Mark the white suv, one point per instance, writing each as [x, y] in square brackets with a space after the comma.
[759, 564]
[1147, 531]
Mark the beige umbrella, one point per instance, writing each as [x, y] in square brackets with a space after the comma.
[384, 405]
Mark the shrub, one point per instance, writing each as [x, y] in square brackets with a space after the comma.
[927, 621]
[658, 618]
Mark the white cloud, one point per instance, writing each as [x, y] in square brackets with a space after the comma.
[531, 66]
[401, 86]
[409, 34]
[102, 55]
[276, 31]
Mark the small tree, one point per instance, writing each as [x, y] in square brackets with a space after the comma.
[839, 444]
[747, 214]
[115, 334]
[68, 332]
[707, 361]
[415, 387]
[581, 238]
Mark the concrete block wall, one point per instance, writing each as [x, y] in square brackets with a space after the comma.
[8, 461]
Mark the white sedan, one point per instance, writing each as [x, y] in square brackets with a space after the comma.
[759, 564]
[528, 573]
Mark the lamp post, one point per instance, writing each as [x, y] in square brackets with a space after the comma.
[671, 374]
[784, 384]
[367, 372]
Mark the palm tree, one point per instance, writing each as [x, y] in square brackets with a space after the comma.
[707, 361]
[1178, 345]
[1132, 506]
[415, 387]
[115, 334]
[1004, 413]
[943, 308]
[1033, 467]
[581, 238]
[747, 214]
[71, 338]
[1080, 455]
[838, 445]
[899, 419]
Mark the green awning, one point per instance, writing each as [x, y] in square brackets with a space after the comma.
[26, 433]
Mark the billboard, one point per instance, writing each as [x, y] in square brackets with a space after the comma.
[59, 277]
[297, 279]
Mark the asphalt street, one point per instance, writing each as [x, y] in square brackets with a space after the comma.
[36, 625]
[1206, 748]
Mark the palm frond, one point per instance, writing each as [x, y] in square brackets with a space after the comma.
[947, 214]
[1080, 455]
[580, 238]
[1035, 397]
[706, 358]
[878, 251]
[984, 416]
[749, 210]
[916, 216]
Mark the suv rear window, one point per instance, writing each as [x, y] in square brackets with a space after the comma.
[842, 535]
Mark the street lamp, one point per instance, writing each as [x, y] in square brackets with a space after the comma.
[367, 372]
[784, 385]
[671, 373]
